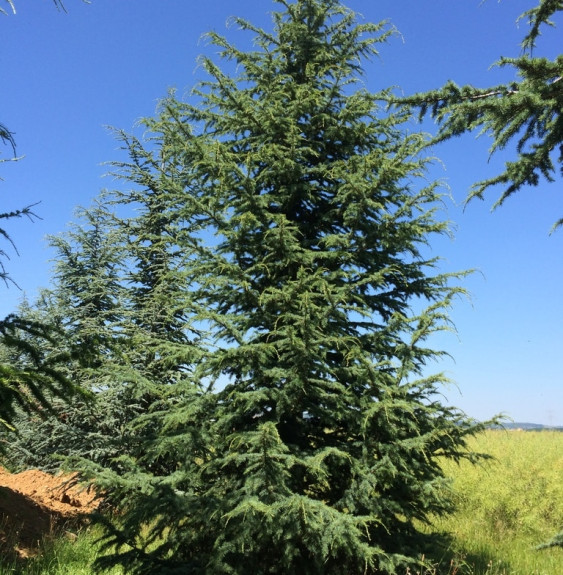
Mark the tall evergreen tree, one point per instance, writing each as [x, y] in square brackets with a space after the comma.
[158, 249]
[88, 275]
[306, 220]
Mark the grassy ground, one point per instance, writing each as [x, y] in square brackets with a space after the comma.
[505, 508]
[66, 555]
[508, 506]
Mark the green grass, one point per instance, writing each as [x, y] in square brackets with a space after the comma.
[67, 554]
[508, 506]
[505, 508]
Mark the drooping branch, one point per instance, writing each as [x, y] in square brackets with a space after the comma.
[526, 113]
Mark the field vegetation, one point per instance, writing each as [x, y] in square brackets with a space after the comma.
[506, 508]
[509, 505]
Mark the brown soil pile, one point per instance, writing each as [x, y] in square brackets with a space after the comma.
[34, 504]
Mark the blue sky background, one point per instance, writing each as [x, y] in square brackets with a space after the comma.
[66, 77]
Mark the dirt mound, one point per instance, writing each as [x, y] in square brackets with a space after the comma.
[34, 504]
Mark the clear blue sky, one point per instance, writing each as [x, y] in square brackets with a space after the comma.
[67, 76]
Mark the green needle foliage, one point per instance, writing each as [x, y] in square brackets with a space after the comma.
[30, 369]
[85, 305]
[278, 317]
[526, 112]
[31, 366]
[119, 297]
[4, 255]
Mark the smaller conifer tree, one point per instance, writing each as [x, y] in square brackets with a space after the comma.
[84, 304]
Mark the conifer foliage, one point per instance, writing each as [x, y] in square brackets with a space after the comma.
[289, 424]
[30, 369]
[525, 113]
[85, 307]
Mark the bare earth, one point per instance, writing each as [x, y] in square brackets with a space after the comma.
[33, 504]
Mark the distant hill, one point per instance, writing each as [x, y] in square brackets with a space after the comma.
[527, 426]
